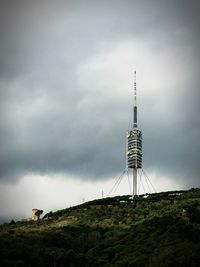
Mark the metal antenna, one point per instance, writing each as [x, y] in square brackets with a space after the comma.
[135, 103]
[133, 149]
[134, 143]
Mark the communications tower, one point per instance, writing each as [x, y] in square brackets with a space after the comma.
[134, 143]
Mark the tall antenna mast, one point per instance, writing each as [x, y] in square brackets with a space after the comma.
[135, 103]
[134, 140]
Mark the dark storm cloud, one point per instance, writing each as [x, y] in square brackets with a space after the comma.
[171, 141]
[51, 123]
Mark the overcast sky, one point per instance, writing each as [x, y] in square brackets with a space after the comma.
[66, 75]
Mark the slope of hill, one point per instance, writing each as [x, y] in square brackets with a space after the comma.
[154, 230]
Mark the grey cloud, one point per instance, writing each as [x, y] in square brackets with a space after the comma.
[171, 141]
[51, 124]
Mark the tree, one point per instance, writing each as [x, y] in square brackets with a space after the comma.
[38, 213]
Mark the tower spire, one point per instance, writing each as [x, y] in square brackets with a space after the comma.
[135, 103]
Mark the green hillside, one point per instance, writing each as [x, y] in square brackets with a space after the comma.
[160, 229]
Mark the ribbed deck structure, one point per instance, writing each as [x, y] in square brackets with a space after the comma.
[134, 150]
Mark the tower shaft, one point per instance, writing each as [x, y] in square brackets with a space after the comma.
[134, 182]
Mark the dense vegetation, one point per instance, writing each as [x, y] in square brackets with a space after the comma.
[153, 230]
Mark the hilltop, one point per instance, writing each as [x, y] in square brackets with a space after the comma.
[158, 230]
